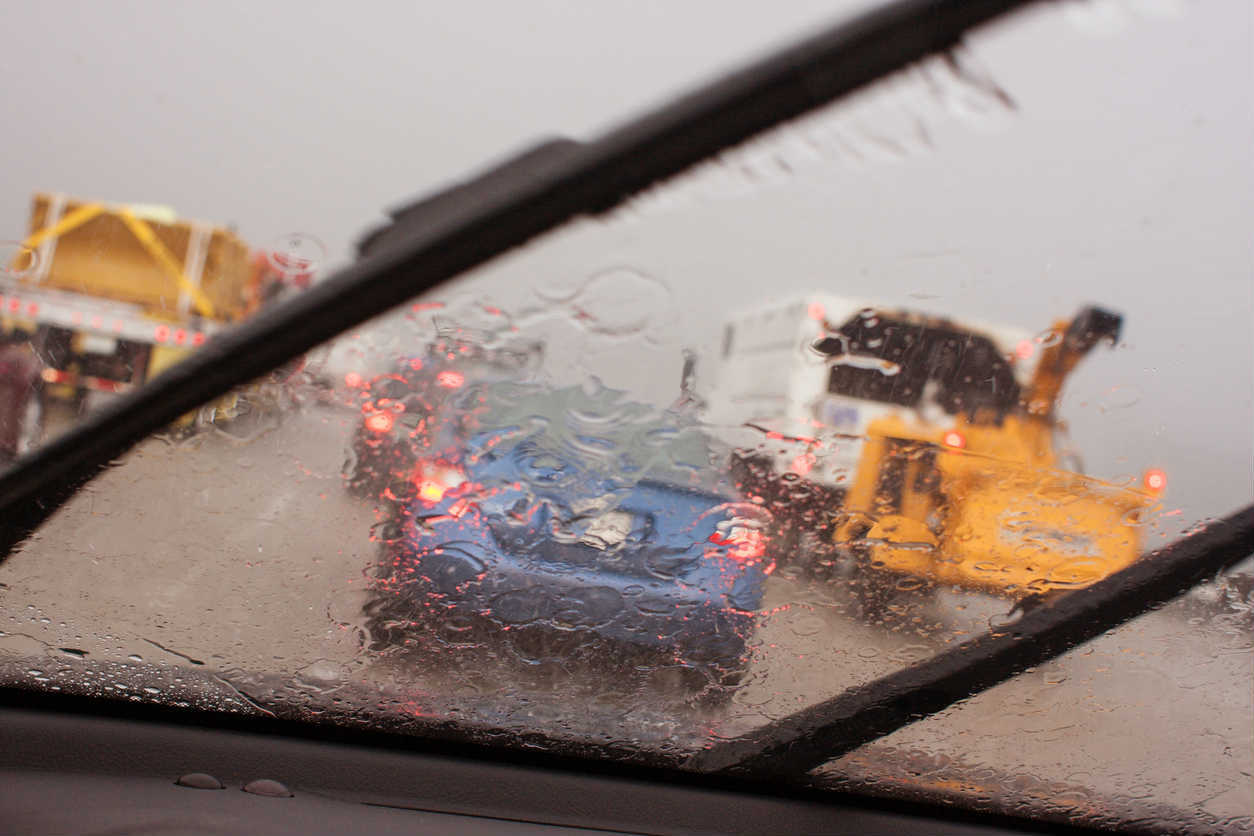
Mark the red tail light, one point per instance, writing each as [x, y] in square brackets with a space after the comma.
[435, 481]
[380, 422]
[56, 376]
[431, 491]
[955, 439]
[744, 543]
[450, 380]
[1155, 480]
[162, 333]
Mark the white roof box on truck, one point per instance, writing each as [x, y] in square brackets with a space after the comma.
[822, 365]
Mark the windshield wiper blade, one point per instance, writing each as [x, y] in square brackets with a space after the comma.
[495, 213]
[802, 741]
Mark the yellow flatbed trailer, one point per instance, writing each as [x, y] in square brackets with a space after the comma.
[108, 296]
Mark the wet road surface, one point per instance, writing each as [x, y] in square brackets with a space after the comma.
[241, 553]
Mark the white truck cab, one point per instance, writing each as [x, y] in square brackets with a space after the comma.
[812, 372]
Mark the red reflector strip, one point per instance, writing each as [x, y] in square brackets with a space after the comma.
[198, 338]
[162, 333]
[103, 384]
[56, 376]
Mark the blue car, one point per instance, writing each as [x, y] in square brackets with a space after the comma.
[522, 542]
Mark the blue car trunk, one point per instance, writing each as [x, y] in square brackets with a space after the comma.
[653, 580]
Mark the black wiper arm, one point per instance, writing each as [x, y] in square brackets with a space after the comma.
[827, 730]
[485, 218]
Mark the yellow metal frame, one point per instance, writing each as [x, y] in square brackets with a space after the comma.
[143, 233]
[997, 515]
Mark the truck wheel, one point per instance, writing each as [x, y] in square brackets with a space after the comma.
[874, 590]
[32, 427]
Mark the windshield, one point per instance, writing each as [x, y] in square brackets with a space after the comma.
[898, 376]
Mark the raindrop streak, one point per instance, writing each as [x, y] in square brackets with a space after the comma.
[898, 118]
[1120, 397]
[967, 90]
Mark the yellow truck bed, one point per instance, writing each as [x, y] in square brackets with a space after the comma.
[104, 256]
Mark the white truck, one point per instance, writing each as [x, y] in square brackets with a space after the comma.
[783, 371]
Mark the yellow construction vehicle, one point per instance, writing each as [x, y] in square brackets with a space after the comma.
[108, 296]
[980, 501]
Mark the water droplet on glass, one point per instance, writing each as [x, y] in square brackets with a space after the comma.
[268, 788]
[324, 672]
[17, 261]
[200, 781]
[1048, 337]
[1121, 396]
[966, 89]
[618, 303]
[296, 256]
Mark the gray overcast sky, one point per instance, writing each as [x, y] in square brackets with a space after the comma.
[1124, 176]
[315, 116]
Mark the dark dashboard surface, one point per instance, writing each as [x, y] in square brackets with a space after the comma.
[66, 772]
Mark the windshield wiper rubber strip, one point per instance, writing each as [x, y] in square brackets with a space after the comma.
[815, 735]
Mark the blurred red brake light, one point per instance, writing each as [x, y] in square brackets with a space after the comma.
[380, 422]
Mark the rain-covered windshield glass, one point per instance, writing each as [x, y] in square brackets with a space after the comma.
[838, 401]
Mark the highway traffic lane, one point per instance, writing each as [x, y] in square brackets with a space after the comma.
[252, 558]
